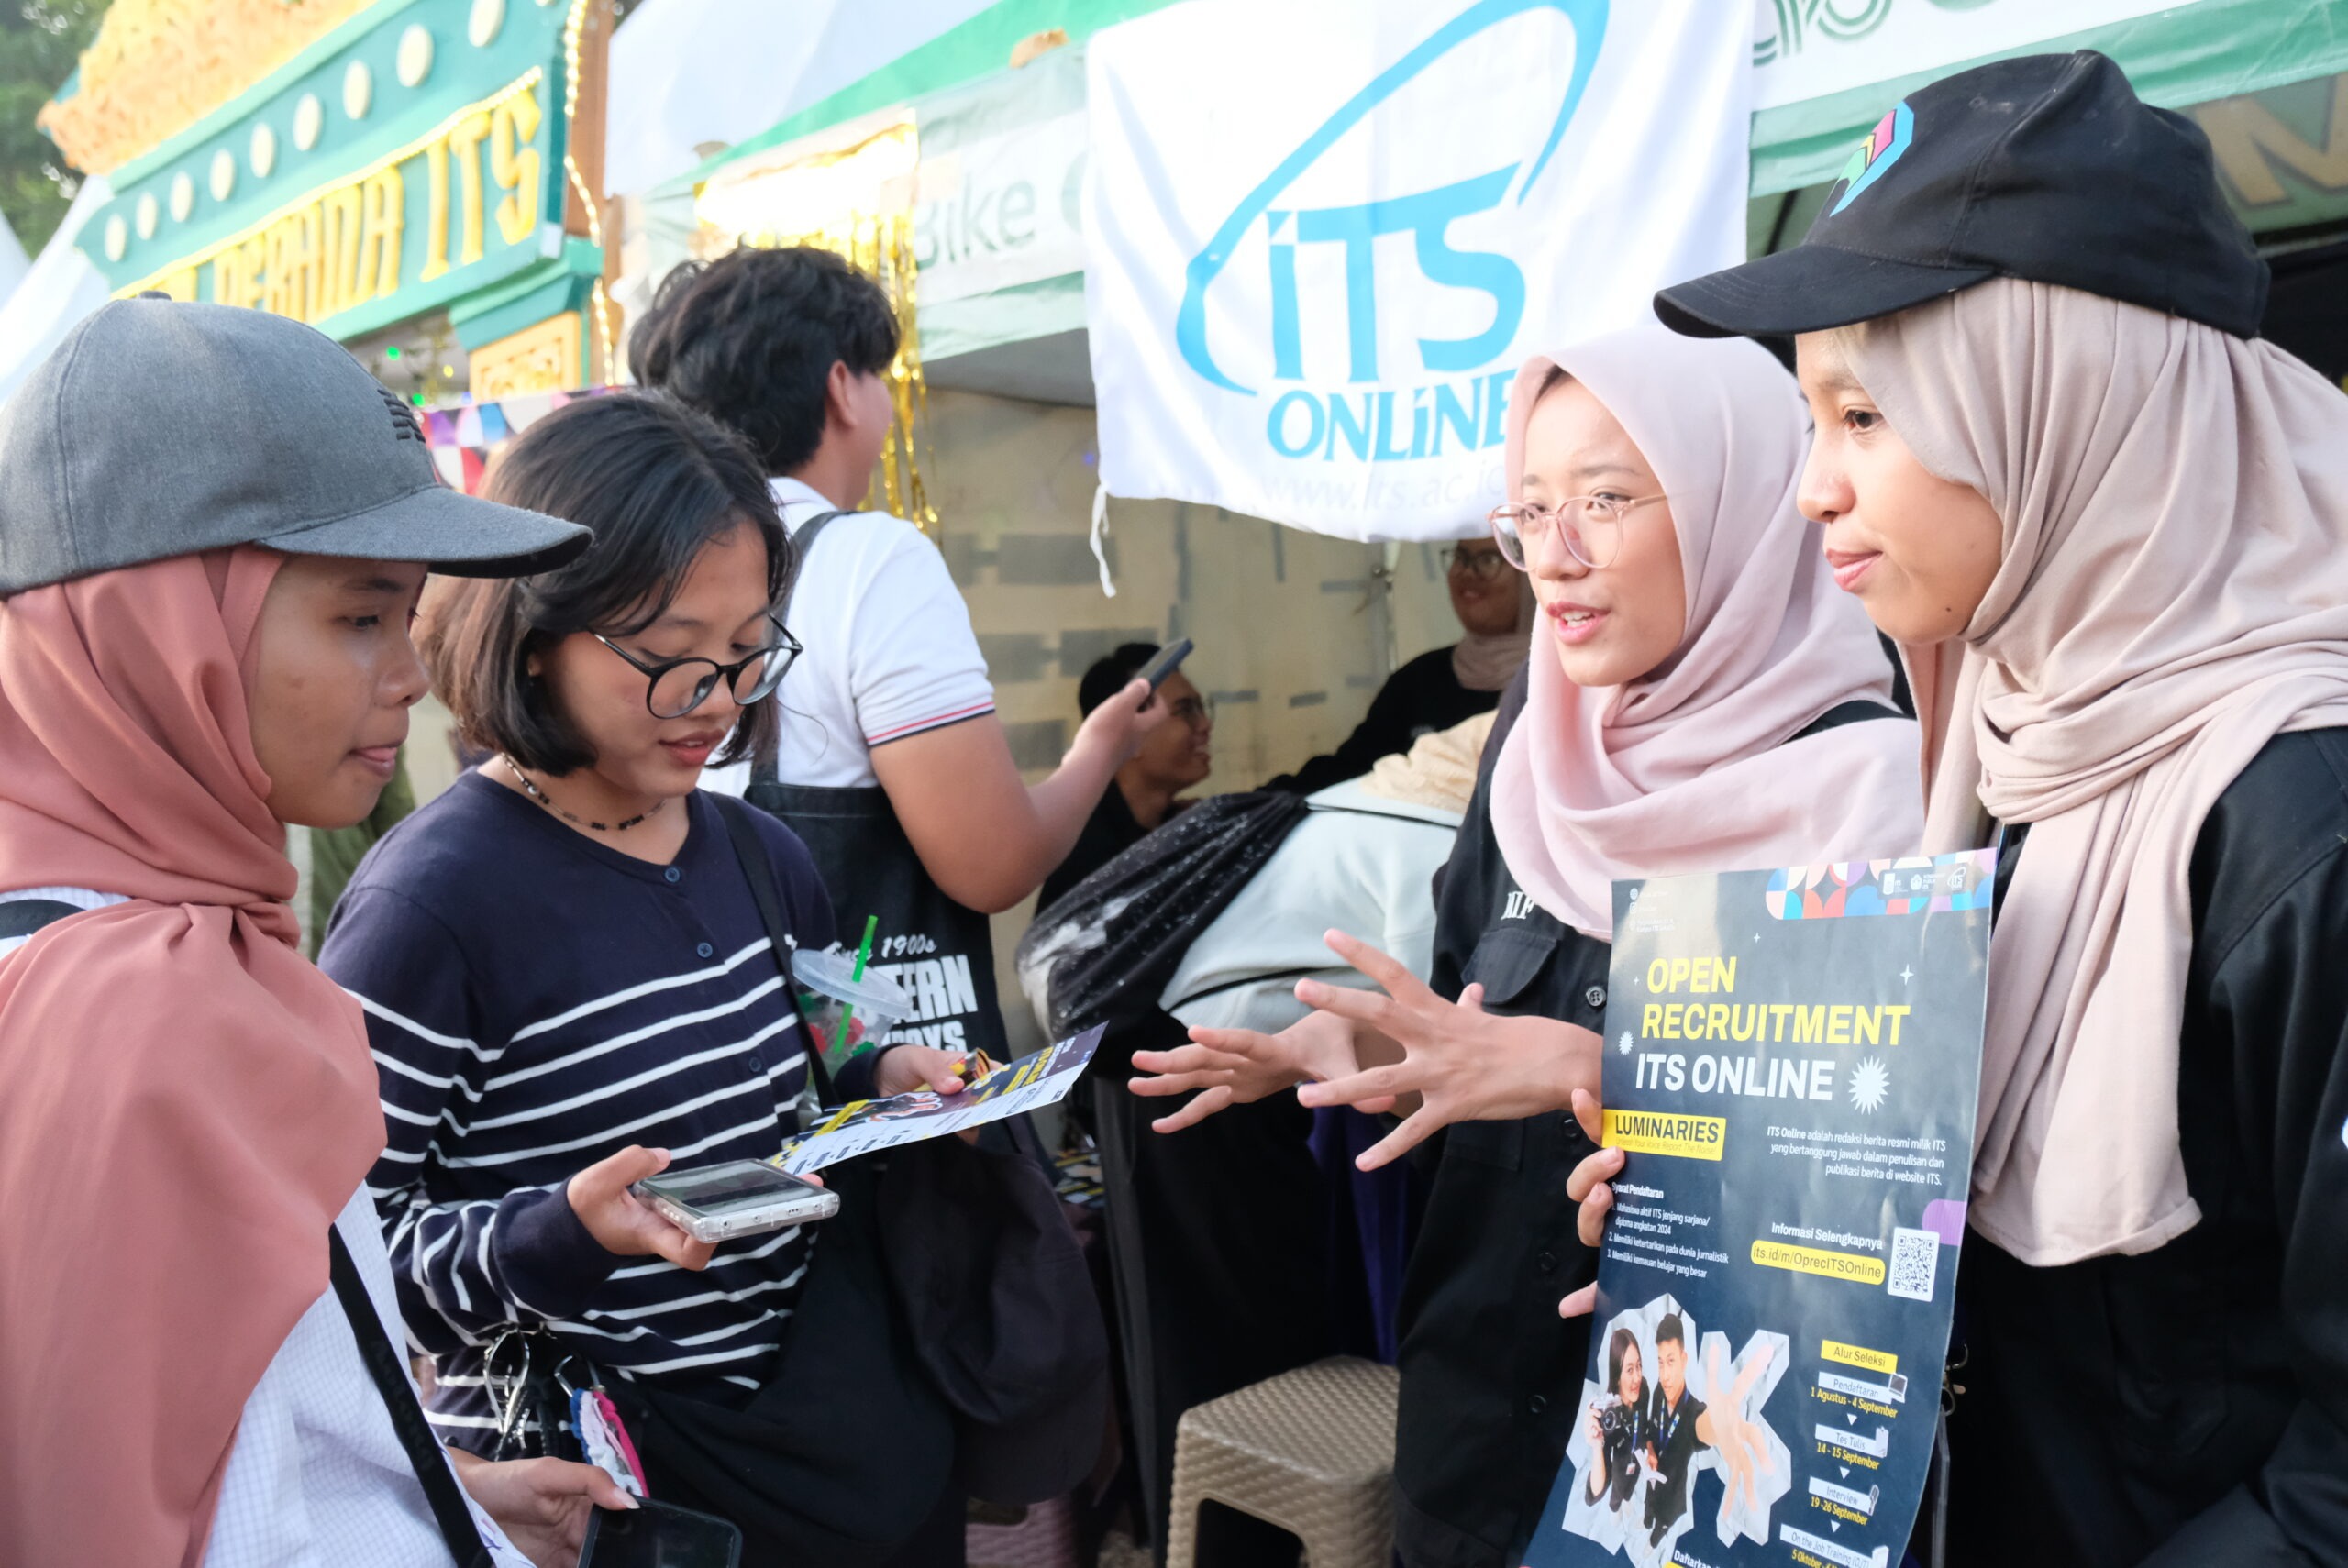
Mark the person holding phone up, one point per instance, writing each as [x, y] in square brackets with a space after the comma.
[1178, 756]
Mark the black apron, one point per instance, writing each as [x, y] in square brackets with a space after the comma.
[941, 952]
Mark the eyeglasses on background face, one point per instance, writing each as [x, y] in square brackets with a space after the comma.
[1196, 711]
[1474, 560]
[678, 686]
[1591, 527]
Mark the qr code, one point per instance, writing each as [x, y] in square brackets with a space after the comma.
[1915, 1256]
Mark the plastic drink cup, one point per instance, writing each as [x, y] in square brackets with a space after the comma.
[831, 995]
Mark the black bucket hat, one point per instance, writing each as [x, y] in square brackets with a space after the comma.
[2047, 167]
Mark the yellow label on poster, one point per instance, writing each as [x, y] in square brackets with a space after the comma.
[1858, 1357]
[1662, 1133]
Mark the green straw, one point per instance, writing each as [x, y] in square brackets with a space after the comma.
[863, 956]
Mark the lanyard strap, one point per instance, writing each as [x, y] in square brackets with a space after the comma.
[1672, 1430]
[389, 1375]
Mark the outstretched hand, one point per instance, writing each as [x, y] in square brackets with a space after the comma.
[1742, 1445]
[1239, 1067]
[1461, 1063]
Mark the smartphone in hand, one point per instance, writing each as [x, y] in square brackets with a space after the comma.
[737, 1197]
[1165, 662]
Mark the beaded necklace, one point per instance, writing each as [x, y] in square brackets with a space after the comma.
[540, 796]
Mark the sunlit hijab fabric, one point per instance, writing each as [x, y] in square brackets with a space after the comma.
[2173, 595]
[1693, 766]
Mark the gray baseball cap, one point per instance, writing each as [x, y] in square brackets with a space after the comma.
[160, 428]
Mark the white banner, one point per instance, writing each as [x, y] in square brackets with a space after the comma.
[1322, 234]
[1807, 48]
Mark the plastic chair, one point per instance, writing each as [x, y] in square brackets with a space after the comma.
[1310, 1450]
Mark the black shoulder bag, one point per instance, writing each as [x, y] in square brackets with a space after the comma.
[987, 1275]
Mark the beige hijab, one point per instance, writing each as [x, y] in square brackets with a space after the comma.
[1438, 771]
[2174, 595]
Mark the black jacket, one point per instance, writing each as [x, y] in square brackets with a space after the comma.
[1421, 698]
[2189, 1406]
[1107, 833]
[1491, 1378]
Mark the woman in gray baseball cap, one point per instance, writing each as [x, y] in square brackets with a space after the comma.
[2108, 527]
[213, 526]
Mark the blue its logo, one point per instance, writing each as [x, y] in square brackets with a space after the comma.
[1303, 423]
[1873, 158]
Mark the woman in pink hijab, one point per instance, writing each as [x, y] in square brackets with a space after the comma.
[211, 536]
[1694, 676]
[2108, 527]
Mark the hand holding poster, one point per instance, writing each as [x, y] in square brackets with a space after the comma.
[1794, 1064]
[863, 1126]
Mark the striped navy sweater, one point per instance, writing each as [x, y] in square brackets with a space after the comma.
[537, 1002]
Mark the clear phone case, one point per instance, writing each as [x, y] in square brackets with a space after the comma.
[740, 1198]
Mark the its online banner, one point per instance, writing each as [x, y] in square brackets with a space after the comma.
[1793, 1063]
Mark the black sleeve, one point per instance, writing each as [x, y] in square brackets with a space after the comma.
[1463, 897]
[2280, 992]
[1398, 709]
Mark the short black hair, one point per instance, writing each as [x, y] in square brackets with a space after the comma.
[1670, 1329]
[1111, 674]
[751, 338]
[656, 481]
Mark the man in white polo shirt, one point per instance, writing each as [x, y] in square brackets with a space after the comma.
[892, 764]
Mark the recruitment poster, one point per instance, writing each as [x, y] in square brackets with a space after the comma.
[1793, 1065]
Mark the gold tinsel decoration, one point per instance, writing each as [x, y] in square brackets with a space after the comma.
[882, 247]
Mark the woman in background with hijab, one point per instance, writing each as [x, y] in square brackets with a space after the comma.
[2108, 527]
[1696, 670]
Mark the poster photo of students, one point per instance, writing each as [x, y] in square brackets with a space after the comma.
[1675, 1404]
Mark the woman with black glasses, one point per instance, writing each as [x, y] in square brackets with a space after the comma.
[567, 982]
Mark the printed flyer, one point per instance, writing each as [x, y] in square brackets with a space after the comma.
[1794, 1059]
[862, 1126]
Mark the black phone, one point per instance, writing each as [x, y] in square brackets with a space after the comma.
[659, 1535]
[1165, 662]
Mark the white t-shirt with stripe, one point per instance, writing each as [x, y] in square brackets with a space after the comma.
[889, 648]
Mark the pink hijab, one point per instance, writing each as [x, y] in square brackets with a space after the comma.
[1690, 768]
[185, 1103]
[2173, 594]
